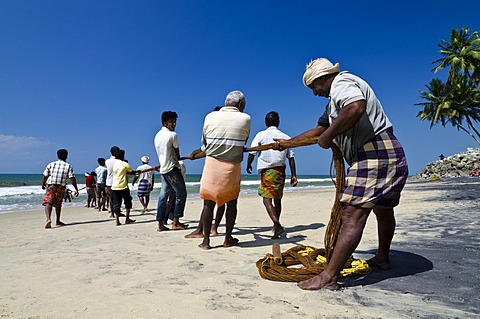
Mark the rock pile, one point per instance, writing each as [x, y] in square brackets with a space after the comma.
[461, 164]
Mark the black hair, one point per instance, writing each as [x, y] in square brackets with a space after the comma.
[119, 154]
[113, 149]
[272, 119]
[62, 154]
[167, 115]
[101, 161]
[217, 108]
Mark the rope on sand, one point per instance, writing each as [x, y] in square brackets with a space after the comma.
[276, 267]
[313, 260]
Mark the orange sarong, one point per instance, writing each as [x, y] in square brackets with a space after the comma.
[220, 180]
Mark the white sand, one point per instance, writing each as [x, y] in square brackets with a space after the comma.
[92, 269]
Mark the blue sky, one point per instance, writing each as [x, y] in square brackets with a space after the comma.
[86, 75]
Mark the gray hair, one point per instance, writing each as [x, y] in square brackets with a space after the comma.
[235, 98]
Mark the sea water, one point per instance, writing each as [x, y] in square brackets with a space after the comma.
[19, 192]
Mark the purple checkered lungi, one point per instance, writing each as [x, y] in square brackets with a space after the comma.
[378, 173]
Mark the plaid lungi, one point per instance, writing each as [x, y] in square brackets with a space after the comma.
[272, 182]
[378, 173]
[54, 195]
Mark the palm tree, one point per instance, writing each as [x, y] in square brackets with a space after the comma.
[461, 54]
[458, 100]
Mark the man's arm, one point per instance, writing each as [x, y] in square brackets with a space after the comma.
[347, 118]
[251, 157]
[73, 180]
[44, 181]
[293, 169]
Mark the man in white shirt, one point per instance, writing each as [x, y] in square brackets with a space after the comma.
[271, 166]
[166, 144]
[145, 184]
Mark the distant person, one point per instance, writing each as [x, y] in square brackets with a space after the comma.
[90, 186]
[101, 172]
[108, 182]
[442, 157]
[271, 166]
[355, 120]
[120, 189]
[54, 181]
[225, 133]
[68, 195]
[145, 184]
[166, 144]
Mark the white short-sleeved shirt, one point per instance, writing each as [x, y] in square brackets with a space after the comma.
[147, 175]
[270, 158]
[166, 142]
[109, 164]
[347, 88]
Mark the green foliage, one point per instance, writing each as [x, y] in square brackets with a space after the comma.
[458, 100]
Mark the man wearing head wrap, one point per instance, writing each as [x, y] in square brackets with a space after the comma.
[354, 119]
[145, 184]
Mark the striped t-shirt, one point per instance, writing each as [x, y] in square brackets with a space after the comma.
[225, 133]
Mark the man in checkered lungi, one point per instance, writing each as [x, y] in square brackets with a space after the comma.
[355, 120]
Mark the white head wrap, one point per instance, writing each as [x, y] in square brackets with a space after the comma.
[145, 159]
[318, 68]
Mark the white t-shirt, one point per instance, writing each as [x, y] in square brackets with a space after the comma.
[270, 158]
[109, 163]
[147, 175]
[166, 142]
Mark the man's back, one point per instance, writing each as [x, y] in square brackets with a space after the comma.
[58, 172]
[225, 133]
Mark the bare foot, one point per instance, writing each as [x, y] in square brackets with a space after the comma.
[379, 263]
[59, 224]
[194, 234]
[48, 224]
[213, 233]
[277, 233]
[322, 281]
[179, 227]
[118, 223]
[230, 242]
[129, 221]
[204, 246]
[162, 228]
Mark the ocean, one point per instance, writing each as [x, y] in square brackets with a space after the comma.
[20, 192]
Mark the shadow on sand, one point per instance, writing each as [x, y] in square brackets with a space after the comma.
[404, 264]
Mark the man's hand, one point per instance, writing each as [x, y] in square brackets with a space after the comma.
[75, 193]
[293, 181]
[249, 168]
[324, 141]
[277, 146]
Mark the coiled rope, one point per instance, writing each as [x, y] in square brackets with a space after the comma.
[281, 266]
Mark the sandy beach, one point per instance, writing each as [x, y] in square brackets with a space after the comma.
[92, 269]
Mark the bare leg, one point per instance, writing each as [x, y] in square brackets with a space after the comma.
[48, 215]
[58, 211]
[272, 213]
[230, 217]
[143, 203]
[127, 217]
[206, 220]
[386, 229]
[353, 223]
[177, 225]
[218, 219]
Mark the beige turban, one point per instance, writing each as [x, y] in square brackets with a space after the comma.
[318, 68]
